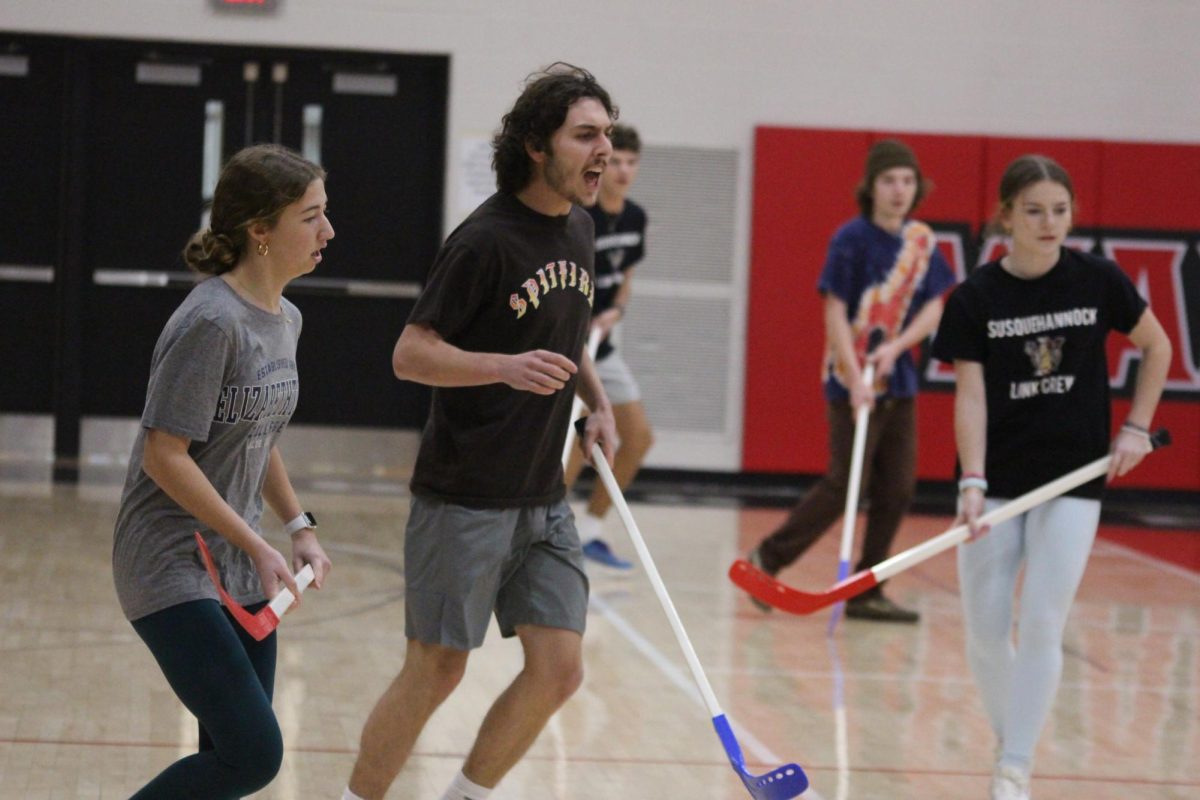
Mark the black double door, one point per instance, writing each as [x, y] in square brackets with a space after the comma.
[32, 100]
[115, 147]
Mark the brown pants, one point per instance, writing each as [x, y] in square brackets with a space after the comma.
[888, 482]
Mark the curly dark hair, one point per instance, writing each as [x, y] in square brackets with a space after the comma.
[536, 115]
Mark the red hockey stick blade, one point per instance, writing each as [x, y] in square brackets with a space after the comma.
[261, 624]
[778, 595]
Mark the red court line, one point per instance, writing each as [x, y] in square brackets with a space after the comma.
[646, 762]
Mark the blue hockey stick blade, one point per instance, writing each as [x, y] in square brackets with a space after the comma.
[781, 783]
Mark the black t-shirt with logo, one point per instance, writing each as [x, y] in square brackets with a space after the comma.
[507, 280]
[620, 245]
[1042, 346]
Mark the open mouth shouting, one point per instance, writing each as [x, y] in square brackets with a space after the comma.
[591, 177]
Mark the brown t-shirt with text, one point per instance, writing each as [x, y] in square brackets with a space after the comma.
[507, 280]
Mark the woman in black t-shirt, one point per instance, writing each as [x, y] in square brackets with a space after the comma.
[1027, 337]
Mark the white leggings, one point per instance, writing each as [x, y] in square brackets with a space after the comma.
[1018, 684]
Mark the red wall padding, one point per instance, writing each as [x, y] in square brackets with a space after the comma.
[804, 181]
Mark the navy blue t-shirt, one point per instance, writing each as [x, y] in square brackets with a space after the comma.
[884, 279]
[620, 245]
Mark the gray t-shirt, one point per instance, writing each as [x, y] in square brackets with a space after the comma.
[224, 376]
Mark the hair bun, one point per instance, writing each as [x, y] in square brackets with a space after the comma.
[210, 253]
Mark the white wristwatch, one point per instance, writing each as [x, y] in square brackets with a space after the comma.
[305, 520]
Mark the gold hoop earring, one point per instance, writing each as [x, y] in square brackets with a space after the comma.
[263, 249]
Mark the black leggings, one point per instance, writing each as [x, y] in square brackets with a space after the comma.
[225, 678]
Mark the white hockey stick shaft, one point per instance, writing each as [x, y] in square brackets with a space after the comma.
[283, 601]
[639, 544]
[593, 345]
[850, 515]
[960, 533]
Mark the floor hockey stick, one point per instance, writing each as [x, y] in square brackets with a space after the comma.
[781, 783]
[770, 591]
[593, 346]
[267, 619]
[850, 513]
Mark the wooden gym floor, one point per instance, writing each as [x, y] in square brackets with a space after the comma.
[84, 712]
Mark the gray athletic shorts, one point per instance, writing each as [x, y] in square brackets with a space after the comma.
[461, 564]
[618, 381]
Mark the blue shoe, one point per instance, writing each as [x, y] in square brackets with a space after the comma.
[598, 550]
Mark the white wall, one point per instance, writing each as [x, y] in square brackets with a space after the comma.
[703, 73]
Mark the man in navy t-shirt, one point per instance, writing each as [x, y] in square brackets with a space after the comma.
[620, 246]
[882, 282]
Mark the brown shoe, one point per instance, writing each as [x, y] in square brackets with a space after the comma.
[755, 559]
[879, 608]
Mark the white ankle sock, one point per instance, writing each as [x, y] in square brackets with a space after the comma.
[349, 795]
[463, 788]
[589, 527]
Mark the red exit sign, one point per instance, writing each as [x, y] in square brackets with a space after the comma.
[246, 5]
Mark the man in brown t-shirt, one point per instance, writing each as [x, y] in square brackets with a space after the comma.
[498, 332]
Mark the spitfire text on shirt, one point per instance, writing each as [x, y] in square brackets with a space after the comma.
[555, 275]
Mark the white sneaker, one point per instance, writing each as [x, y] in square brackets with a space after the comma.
[1010, 783]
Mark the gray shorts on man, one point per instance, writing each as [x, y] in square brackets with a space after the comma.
[461, 564]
